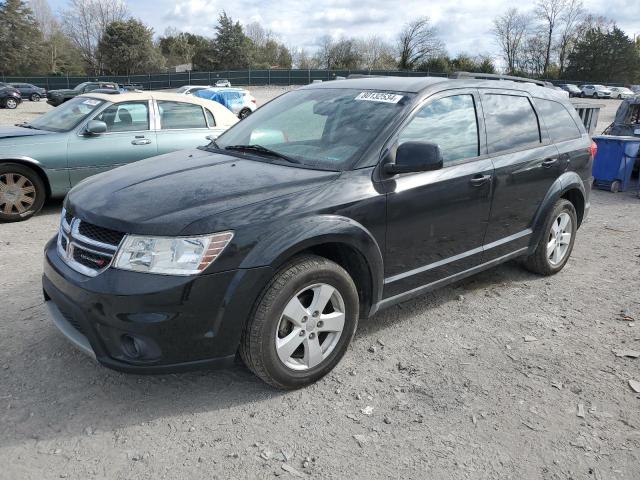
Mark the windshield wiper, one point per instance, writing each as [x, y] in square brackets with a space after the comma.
[262, 150]
[26, 125]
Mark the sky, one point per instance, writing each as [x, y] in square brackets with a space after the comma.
[463, 25]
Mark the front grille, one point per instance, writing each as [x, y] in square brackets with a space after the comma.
[100, 234]
[87, 248]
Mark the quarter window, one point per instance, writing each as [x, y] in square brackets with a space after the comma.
[558, 120]
[178, 115]
[511, 122]
[210, 119]
[126, 117]
[449, 122]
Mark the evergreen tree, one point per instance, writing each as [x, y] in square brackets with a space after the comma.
[231, 47]
[21, 51]
[127, 47]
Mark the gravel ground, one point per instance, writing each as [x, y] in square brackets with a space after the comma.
[504, 375]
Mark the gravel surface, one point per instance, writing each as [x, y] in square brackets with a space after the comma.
[503, 375]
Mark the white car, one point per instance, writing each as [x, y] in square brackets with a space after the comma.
[621, 92]
[191, 89]
[238, 100]
[595, 91]
[223, 82]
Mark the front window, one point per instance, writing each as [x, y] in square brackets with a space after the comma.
[126, 117]
[321, 128]
[68, 115]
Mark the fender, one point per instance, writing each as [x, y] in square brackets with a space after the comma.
[277, 247]
[565, 182]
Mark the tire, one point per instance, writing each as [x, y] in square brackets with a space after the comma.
[619, 97]
[299, 283]
[540, 262]
[11, 103]
[615, 186]
[244, 113]
[595, 95]
[23, 192]
[582, 95]
[34, 97]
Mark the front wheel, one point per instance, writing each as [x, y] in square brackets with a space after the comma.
[555, 246]
[11, 103]
[244, 113]
[595, 95]
[302, 324]
[22, 192]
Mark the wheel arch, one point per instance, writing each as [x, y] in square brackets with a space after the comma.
[33, 165]
[339, 239]
[568, 186]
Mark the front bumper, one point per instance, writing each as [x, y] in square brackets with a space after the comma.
[144, 323]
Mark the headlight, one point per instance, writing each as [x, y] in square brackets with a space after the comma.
[170, 255]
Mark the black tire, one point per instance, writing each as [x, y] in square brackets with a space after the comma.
[539, 262]
[258, 346]
[10, 103]
[244, 113]
[38, 195]
[34, 97]
[620, 97]
[595, 95]
[615, 186]
[582, 95]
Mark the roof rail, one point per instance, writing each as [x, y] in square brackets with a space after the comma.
[494, 76]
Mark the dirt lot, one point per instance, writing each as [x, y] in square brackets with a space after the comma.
[482, 380]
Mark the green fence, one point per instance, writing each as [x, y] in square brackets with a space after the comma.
[156, 81]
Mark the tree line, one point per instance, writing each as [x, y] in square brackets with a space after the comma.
[557, 39]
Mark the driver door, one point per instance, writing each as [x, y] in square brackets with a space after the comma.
[437, 220]
[129, 138]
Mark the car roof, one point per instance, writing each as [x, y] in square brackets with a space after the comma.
[424, 84]
[223, 115]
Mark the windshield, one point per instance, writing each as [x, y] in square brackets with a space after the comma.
[321, 128]
[68, 115]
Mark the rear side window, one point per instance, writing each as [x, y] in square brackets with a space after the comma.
[558, 120]
[178, 115]
[450, 123]
[511, 122]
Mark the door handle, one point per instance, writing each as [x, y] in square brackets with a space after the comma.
[549, 162]
[140, 141]
[480, 180]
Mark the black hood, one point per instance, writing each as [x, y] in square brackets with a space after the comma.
[12, 132]
[61, 91]
[163, 195]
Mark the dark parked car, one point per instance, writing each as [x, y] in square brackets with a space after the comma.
[30, 91]
[574, 90]
[9, 97]
[58, 97]
[324, 206]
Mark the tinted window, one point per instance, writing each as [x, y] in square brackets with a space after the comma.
[511, 122]
[449, 122]
[126, 117]
[558, 120]
[177, 115]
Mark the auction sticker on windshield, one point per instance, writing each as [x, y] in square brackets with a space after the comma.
[91, 103]
[379, 97]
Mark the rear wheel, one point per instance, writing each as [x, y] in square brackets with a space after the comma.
[554, 249]
[302, 324]
[34, 97]
[582, 95]
[615, 186]
[22, 192]
[244, 113]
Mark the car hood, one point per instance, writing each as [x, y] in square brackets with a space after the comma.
[14, 132]
[62, 91]
[164, 195]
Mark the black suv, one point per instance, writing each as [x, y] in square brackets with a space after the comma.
[9, 96]
[329, 203]
[58, 97]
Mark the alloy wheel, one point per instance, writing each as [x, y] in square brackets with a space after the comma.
[559, 239]
[310, 326]
[11, 103]
[17, 193]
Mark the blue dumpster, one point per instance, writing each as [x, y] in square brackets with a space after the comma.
[614, 161]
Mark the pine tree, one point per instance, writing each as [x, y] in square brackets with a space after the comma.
[231, 48]
[21, 51]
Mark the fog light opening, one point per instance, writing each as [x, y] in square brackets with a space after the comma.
[132, 347]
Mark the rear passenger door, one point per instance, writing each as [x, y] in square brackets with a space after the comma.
[526, 165]
[184, 126]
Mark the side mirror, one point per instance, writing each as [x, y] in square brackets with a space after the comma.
[96, 127]
[415, 157]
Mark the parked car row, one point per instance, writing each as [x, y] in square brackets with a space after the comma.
[597, 91]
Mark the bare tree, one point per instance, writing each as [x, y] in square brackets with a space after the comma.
[85, 21]
[258, 34]
[510, 30]
[375, 53]
[417, 42]
[549, 12]
[44, 16]
[571, 18]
